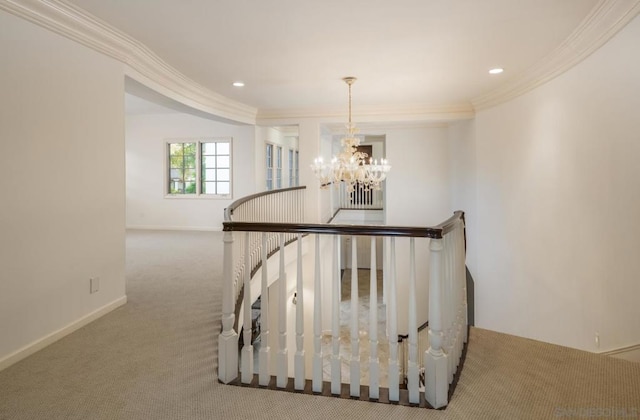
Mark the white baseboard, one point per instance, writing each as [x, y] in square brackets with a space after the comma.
[631, 353]
[39, 344]
[186, 228]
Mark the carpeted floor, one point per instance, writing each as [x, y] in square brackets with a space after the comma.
[156, 358]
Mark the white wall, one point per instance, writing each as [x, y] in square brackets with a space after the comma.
[62, 217]
[462, 158]
[312, 143]
[558, 202]
[147, 204]
[418, 193]
[419, 184]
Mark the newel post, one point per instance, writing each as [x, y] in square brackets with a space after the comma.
[435, 360]
[228, 339]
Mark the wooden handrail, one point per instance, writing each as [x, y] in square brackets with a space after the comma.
[449, 224]
[228, 212]
[436, 232]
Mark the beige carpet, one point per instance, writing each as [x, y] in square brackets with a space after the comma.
[156, 358]
[364, 305]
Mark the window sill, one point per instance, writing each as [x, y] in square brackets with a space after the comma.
[197, 197]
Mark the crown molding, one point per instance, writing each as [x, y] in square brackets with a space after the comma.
[143, 64]
[417, 114]
[604, 21]
[382, 128]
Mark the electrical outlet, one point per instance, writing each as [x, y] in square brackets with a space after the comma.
[94, 284]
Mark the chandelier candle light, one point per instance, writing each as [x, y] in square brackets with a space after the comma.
[351, 166]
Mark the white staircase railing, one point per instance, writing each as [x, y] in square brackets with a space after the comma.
[447, 309]
[359, 198]
[242, 255]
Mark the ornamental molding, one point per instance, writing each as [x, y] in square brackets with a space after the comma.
[143, 64]
[379, 115]
[602, 23]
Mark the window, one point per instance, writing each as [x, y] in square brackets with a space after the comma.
[278, 167]
[297, 169]
[182, 168]
[292, 178]
[200, 168]
[216, 168]
[269, 162]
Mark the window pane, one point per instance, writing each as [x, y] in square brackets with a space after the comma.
[223, 162]
[224, 188]
[223, 148]
[177, 161]
[209, 161]
[176, 174]
[208, 148]
[190, 175]
[190, 149]
[223, 175]
[190, 161]
[209, 174]
[190, 188]
[209, 188]
[175, 148]
[176, 187]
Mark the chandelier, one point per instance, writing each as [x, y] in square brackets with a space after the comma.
[350, 165]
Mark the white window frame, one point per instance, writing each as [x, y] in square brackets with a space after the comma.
[199, 167]
[268, 160]
[278, 168]
[297, 163]
[292, 178]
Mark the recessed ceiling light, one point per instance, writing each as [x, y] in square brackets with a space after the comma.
[496, 71]
[238, 84]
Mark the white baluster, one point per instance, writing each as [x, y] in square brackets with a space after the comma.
[464, 284]
[265, 350]
[394, 368]
[412, 371]
[247, 348]
[446, 305]
[456, 303]
[462, 279]
[299, 371]
[336, 368]
[374, 363]
[317, 323]
[228, 339]
[462, 294]
[283, 362]
[457, 299]
[355, 331]
[435, 360]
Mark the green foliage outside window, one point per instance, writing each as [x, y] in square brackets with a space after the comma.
[182, 177]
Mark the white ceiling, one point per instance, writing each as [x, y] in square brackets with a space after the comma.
[292, 54]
